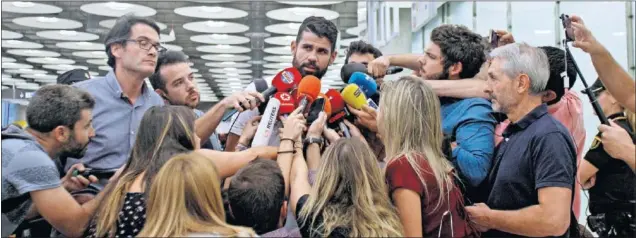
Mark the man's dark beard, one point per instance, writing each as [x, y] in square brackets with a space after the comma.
[441, 76]
[73, 149]
[173, 103]
[318, 73]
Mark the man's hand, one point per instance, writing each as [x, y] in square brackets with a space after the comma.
[316, 128]
[365, 117]
[377, 68]
[478, 215]
[616, 141]
[294, 125]
[242, 100]
[504, 38]
[583, 38]
[73, 183]
[250, 130]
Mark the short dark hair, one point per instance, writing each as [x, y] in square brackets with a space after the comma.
[57, 105]
[321, 27]
[256, 195]
[457, 43]
[556, 58]
[121, 32]
[166, 58]
[361, 47]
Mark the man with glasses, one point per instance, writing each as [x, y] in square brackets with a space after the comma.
[121, 97]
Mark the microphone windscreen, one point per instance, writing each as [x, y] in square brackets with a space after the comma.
[310, 87]
[287, 103]
[260, 85]
[335, 100]
[327, 104]
[366, 83]
[348, 69]
[287, 79]
[353, 96]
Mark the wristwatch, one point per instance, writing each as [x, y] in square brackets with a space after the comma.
[311, 140]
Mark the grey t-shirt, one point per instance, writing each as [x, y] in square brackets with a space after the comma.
[26, 167]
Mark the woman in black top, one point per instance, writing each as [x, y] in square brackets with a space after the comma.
[610, 180]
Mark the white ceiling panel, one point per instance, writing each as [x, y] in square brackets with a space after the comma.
[223, 39]
[211, 12]
[29, 8]
[47, 22]
[117, 9]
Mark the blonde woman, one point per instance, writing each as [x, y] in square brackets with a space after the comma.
[348, 198]
[420, 177]
[185, 200]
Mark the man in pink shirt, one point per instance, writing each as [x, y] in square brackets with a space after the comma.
[564, 105]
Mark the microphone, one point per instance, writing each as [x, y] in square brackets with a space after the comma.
[287, 103]
[348, 69]
[308, 91]
[265, 127]
[353, 96]
[339, 112]
[366, 83]
[284, 81]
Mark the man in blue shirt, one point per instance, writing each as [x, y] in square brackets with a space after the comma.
[454, 53]
[531, 183]
[121, 97]
[173, 80]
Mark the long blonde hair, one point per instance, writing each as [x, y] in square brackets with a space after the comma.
[411, 126]
[350, 191]
[163, 132]
[631, 118]
[185, 198]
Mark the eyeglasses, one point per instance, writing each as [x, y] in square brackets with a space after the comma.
[146, 45]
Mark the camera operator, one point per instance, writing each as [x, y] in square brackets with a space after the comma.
[616, 79]
[608, 177]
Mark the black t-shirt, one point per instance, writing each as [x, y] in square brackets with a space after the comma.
[305, 227]
[615, 180]
[537, 152]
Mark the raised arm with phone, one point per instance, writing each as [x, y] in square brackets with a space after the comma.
[569, 36]
[614, 77]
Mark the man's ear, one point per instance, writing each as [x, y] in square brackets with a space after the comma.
[116, 50]
[61, 133]
[455, 69]
[283, 212]
[293, 47]
[161, 93]
[523, 83]
[548, 96]
[334, 54]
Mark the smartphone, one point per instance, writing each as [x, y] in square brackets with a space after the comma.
[315, 109]
[567, 24]
[494, 39]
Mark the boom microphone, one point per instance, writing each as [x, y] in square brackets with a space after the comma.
[266, 126]
[308, 91]
[365, 82]
[348, 69]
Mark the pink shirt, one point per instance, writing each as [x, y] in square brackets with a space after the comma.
[568, 111]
